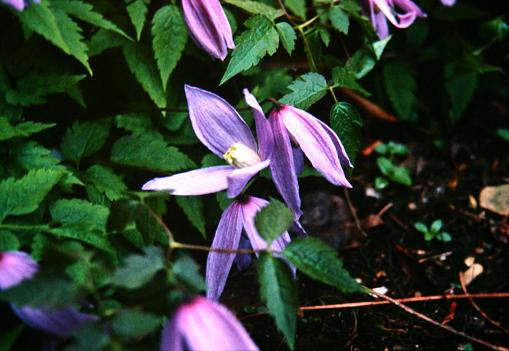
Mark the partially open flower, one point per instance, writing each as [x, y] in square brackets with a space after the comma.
[401, 13]
[239, 215]
[15, 266]
[205, 325]
[209, 26]
[219, 127]
[319, 143]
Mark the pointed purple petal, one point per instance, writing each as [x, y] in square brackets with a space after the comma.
[171, 340]
[208, 26]
[215, 122]
[381, 26]
[238, 178]
[263, 130]
[198, 182]
[298, 159]
[207, 325]
[16, 4]
[282, 165]
[15, 266]
[316, 143]
[340, 149]
[227, 237]
[405, 19]
[61, 322]
[242, 261]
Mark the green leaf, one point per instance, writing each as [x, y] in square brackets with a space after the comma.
[257, 8]
[24, 129]
[298, 7]
[444, 236]
[31, 155]
[364, 59]
[83, 139]
[347, 123]
[421, 227]
[306, 90]
[273, 220]
[89, 337]
[8, 338]
[436, 226]
[141, 63]
[103, 40]
[460, 89]
[139, 269]
[319, 261]
[169, 38]
[187, 271]
[135, 324]
[148, 151]
[70, 211]
[344, 77]
[137, 11]
[395, 173]
[32, 88]
[105, 181]
[260, 39]
[82, 232]
[381, 183]
[287, 36]
[503, 133]
[134, 122]
[23, 196]
[193, 208]
[85, 12]
[278, 291]
[400, 85]
[8, 241]
[339, 19]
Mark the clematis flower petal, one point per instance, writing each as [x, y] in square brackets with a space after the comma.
[298, 159]
[239, 177]
[448, 2]
[242, 260]
[205, 325]
[340, 148]
[380, 24]
[19, 5]
[198, 182]
[227, 237]
[61, 322]
[315, 142]
[216, 123]
[209, 26]
[403, 20]
[263, 130]
[282, 165]
[15, 266]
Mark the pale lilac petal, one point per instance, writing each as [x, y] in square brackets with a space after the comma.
[381, 26]
[16, 4]
[215, 122]
[316, 144]
[340, 149]
[207, 325]
[250, 208]
[263, 130]
[239, 177]
[15, 266]
[227, 237]
[60, 322]
[208, 26]
[282, 165]
[198, 182]
[403, 20]
[298, 159]
[448, 2]
[242, 261]
[172, 338]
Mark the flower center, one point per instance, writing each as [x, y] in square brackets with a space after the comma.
[240, 156]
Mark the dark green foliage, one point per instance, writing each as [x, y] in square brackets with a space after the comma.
[273, 220]
[347, 123]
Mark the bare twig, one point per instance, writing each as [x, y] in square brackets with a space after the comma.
[354, 212]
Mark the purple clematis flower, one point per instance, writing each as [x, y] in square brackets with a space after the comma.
[382, 10]
[448, 2]
[240, 214]
[15, 266]
[209, 26]
[319, 143]
[205, 325]
[60, 322]
[19, 4]
[219, 127]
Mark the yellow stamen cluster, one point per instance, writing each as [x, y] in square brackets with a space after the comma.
[240, 156]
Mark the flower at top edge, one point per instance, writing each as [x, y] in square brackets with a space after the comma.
[401, 13]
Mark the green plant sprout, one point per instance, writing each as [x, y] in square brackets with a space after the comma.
[434, 232]
[386, 165]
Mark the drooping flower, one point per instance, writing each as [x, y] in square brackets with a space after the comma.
[19, 4]
[319, 143]
[240, 214]
[60, 322]
[205, 325]
[401, 13]
[209, 26]
[15, 266]
[220, 128]
[448, 2]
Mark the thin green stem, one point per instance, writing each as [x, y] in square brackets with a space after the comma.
[331, 90]
[25, 227]
[177, 245]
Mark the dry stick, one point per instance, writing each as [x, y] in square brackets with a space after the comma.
[177, 245]
[435, 323]
[354, 213]
[476, 306]
[366, 105]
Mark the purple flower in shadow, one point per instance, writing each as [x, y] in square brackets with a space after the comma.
[448, 2]
[239, 215]
[205, 325]
[19, 4]
[209, 26]
[15, 266]
[401, 13]
[220, 128]
[319, 143]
